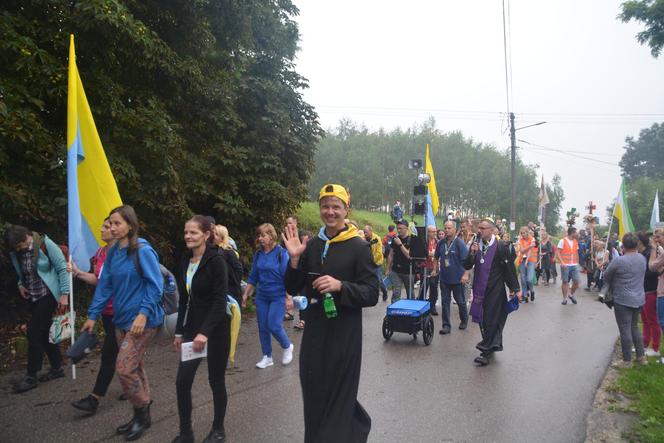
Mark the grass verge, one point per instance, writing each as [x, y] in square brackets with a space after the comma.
[644, 385]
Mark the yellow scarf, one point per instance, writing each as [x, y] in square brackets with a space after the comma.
[344, 235]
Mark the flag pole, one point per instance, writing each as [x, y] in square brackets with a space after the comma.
[72, 321]
[608, 235]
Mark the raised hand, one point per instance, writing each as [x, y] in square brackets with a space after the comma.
[292, 242]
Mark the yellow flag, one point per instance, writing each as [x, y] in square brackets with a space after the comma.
[91, 188]
[432, 184]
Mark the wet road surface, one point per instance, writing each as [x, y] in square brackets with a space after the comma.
[540, 388]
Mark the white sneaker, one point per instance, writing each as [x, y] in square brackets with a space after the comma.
[265, 362]
[651, 353]
[288, 355]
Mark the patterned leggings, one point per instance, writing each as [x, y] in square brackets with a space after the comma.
[129, 366]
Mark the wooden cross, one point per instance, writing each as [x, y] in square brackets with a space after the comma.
[591, 206]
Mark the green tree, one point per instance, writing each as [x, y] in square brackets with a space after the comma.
[640, 197]
[197, 104]
[470, 177]
[554, 208]
[651, 14]
[644, 156]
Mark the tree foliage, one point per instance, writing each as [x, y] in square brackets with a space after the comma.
[640, 197]
[197, 104]
[651, 14]
[641, 166]
[471, 177]
[644, 156]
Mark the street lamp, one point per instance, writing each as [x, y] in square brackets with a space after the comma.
[513, 151]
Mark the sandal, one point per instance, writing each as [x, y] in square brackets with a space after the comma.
[288, 317]
[299, 325]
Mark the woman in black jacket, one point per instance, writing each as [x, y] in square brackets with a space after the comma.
[203, 282]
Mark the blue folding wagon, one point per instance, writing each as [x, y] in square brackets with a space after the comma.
[410, 317]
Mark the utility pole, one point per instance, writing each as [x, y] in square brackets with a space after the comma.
[513, 151]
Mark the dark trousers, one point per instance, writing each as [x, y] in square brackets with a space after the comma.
[109, 354]
[598, 281]
[40, 322]
[432, 290]
[446, 291]
[589, 277]
[218, 348]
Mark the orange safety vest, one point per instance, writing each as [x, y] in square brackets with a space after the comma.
[569, 254]
[522, 246]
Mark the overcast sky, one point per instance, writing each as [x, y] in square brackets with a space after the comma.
[573, 64]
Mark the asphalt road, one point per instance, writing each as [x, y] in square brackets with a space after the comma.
[539, 389]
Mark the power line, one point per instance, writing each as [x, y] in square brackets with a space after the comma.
[567, 150]
[561, 151]
[509, 41]
[523, 115]
[558, 157]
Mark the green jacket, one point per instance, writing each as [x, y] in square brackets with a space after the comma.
[51, 269]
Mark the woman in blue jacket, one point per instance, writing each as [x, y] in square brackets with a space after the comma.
[132, 276]
[268, 269]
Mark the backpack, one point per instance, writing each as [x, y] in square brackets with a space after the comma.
[170, 298]
[44, 249]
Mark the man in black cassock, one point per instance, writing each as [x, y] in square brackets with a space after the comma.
[494, 268]
[336, 263]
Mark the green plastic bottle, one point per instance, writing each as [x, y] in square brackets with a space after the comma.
[329, 306]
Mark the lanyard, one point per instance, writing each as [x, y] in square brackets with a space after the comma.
[449, 248]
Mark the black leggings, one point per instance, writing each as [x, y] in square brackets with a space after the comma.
[40, 322]
[109, 354]
[219, 344]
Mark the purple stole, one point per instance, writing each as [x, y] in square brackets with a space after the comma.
[481, 280]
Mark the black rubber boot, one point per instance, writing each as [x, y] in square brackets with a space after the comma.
[123, 429]
[141, 423]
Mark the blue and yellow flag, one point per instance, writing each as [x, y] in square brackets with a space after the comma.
[91, 188]
[432, 197]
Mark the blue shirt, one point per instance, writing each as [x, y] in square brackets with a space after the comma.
[451, 260]
[267, 273]
[133, 294]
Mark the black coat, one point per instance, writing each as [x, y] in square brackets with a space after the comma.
[331, 349]
[203, 308]
[234, 273]
[501, 273]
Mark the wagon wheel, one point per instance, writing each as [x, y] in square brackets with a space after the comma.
[387, 332]
[427, 331]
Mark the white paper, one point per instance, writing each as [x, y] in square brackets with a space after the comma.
[187, 352]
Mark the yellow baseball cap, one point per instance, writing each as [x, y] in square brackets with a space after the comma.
[332, 190]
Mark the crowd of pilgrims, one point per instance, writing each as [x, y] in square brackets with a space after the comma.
[472, 263]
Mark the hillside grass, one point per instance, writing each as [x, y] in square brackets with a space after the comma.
[309, 218]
